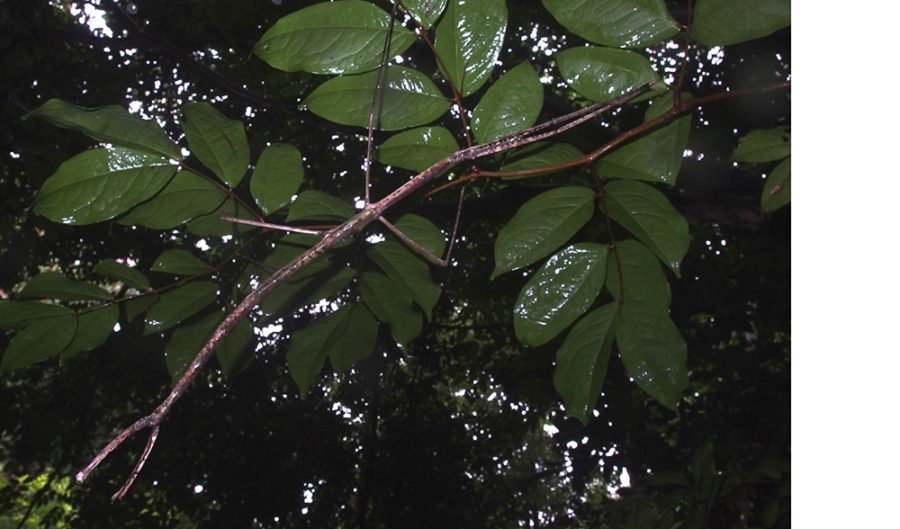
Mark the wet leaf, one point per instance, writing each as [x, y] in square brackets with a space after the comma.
[110, 124]
[277, 176]
[179, 304]
[93, 328]
[777, 191]
[122, 272]
[417, 149]
[54, 285]
[408, 269]
[218, 142]
[582, 360]
[392, 304]
[186, 197]
[181, 262]
[540, 226]
[99, 184]
[468, 40]
[409, 99]
[426, 12]
[723, 22]
[15, 314]
[316, 205]
[761, 146]
[341, 37]
[537, 155]
[644, 280]
[511, 104]
[559, 293]
[602, 74]
[616, 23]
[38, 341]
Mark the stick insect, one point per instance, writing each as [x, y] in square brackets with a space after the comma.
[371, 212]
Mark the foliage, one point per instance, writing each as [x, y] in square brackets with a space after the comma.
[575, 267]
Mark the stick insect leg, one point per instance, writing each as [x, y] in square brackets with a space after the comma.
[279, 227]
[419, 249]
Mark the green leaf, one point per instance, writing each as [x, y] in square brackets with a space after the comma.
[136, 306]
[316, 205]
[764, 145]
[15, 314]
[392, 304]
[218, 142]
[653, 352]
[236, 350]
[186, 197]
[540, 226]
[186, 342]
[110, 124]
[122, 272]
[654, 157]
[54, 285]
[426, 12]
[417, 149]
[644, 280]
[407, 269]
[616, 23]
[538, 155]
[582, 360]
[409, 99]
[345, 336]
[602, 74]
[319, 279]
[649, 216]
[278, 175]
[39, 341]
[332, 38]
[777, 191]
[92, 330]
[212, 225]
[724, 22]
[423, 232]
[468, 40]
[180, 262]
[512, 104]
[180, 304]
[559, 293]
[98, 184]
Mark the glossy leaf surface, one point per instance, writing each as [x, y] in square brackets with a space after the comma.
[468, 40]
[777, 191]
[93, 328]
[540, 226]
[559, 293]
[122, 272]
[217, 141]
[649, 216]
[417, 149]
[277, 176]
[616, 23]
[723, 22]
[110, 124]
[761, 146]
[653, 352]
[409, 99]
[601, 74]
[538, 155]
[54, 285]
[641, 279]
[316, 205]
[582, 361]
[186, 197]
[179, 304]
[426, 12]
[341, 37]
[406, 268]
[511, 104]
[39, 341]
[99, 184]
[181, 262]
[15, 314]
[392, 304]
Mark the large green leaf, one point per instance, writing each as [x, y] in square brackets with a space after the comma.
[417, 149]
[180, 262]
[559, 293]
[616, 23]
[582, 360]
[136, 306]
[426, 12]
[408, 99]
[512, 104]
[92, 331]
[601, 74]
[468, 40]
[345, 337]
[186, 197]
[332, 38]
[186, 342]
[317, 205]
[392, 304]
[408, 269]
[538, 155]
[39, 341]
[179, 304]
[54, 285]
[122, 272]
[777, 191]
[540, 226]
[654, 157]
[724, 22]
[98, 184]
[640, 279]
[110, 124]
[277, 176]
[217, 141]
[649, 216]
[423, 232]
[653, 352]
[761, 146]
[15, 314]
